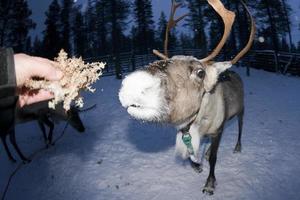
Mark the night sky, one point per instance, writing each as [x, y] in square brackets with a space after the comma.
[39, 8]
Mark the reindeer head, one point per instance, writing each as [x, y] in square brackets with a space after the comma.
[171, 90]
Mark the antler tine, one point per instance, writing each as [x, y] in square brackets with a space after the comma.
[251, 37]
[162, 56]
[172, 23]
[228, 19]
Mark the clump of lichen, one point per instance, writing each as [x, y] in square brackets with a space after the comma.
[77, 76]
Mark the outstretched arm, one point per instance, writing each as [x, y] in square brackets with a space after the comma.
[14, 71]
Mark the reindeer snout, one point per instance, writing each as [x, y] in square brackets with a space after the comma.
[135, 88]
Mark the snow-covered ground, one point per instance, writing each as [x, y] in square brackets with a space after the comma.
[120, 158]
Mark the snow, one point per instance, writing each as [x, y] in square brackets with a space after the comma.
[121, 158]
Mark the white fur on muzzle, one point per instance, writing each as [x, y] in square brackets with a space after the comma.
[143, 97]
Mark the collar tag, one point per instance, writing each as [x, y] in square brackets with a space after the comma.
[187, 140]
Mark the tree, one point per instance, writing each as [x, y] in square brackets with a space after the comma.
[18, 25]
[143, 16]
[79, 34]
[161, 30]
[216, 29]
[28, 46]
[52, 40]
[101, 13]
[67, 7]
[242, 27]
[287, 13]
[37, 47]
[161, 33]
[284, 45]
[5, 19]
[298, 46]
[89, 20]
[186, 41]
[197, 23]
[118, 12]
[270, 16]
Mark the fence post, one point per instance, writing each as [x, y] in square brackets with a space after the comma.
[133, 61]
[118, 67]
[148, 55]
[276, 61]
[249, 57]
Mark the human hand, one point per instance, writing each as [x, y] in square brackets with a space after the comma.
[27, 67]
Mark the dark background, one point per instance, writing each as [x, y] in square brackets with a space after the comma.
[93, 28]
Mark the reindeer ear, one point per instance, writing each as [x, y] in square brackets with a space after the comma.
[222, 66]
[212, 74]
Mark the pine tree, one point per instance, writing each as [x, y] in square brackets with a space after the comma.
[197, 24]
[215, 28]
[287, 13]
[242, 23]
[284, 45]
[186, 41]
[52, 41]
[161, 30]
[270, 16]
[101, 13]
[161, 34]
[6, 8]
[67, 7]
[19, 25]
[230, 46]
[90, 21]
[144, 24]
[28, 46]
[118, 12]
[37, 47]
[293, 48]
[79, 34]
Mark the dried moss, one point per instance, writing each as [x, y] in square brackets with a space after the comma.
[77, 76]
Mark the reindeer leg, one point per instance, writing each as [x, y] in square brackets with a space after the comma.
[196, 166]
[207, 154]
[238, 146]
[50, 124]
[42, 127]
[12, 138]
[3, 138]
[211, 180]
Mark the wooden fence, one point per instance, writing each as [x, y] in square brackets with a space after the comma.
[267, 60]
[284, 62]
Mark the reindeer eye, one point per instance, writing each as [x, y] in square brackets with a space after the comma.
[201, 73]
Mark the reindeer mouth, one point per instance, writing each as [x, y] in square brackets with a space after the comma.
[142, 96]
[139, 108]
[135, 106]
[144, 113]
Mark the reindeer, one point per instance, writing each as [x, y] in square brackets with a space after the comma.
[196, 95]
[43, 114]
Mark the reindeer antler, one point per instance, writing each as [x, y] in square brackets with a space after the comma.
[228, 19]
[251, 37]
[171, 24]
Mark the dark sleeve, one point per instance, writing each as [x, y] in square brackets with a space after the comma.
[7, 73]
[8, 96]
